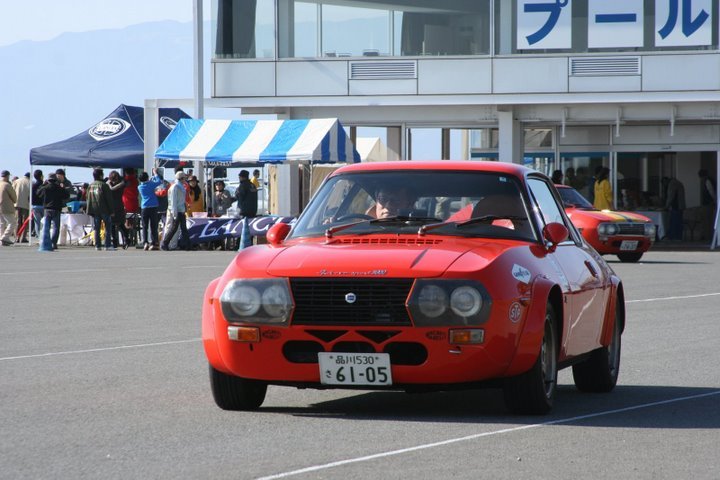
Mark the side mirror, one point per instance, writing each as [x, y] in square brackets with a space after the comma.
[277, 233]
[555, 233]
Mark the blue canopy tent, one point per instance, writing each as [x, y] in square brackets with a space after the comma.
[115, 142]
[240, 142]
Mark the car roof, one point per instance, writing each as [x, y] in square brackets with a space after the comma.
[438, 165]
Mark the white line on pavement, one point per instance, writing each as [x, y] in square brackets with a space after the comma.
[673, 298]
[120, 347]
[480, 435]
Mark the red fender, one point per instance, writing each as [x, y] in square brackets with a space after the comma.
[530, 341]
[609, 321]
[208, 327]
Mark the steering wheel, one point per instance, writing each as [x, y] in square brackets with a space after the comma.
[354, 216]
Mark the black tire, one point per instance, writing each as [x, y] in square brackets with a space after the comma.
[533, 392]
[630, 257]
[599, 373]
[235, 393]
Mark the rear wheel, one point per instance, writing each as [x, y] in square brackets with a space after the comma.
[533, 392]
[599, 373]
[630, 257]
[235, 393]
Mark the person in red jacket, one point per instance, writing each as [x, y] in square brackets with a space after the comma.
[130, 193]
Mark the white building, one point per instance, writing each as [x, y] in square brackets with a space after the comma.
[633, 85]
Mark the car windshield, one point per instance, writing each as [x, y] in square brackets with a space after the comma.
[457, 203]
[572, 197]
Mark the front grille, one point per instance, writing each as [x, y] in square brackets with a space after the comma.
[631, 228]
[379, 301]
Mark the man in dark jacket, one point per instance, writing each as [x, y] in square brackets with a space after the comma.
[53, 197]
[65, 183]
[100, 207]
[247, 201]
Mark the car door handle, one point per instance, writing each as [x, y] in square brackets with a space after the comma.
[591, 268]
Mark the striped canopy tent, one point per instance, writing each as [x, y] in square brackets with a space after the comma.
[238, 142]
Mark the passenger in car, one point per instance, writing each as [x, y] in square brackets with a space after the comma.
[507, 207]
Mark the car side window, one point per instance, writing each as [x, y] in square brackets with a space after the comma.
[549, 208]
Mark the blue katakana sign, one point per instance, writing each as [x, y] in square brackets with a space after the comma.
[544, 24]
[691, 16]
[615, 23]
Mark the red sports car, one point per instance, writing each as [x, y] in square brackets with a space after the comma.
[418, 276]
[625, 234]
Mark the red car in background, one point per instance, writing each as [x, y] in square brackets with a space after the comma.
[418, 276]
[625, 234]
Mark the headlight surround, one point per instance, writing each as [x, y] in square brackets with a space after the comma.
[257, 301]
[448, 303]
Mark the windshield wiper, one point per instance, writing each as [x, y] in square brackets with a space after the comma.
[371, 221]
[404, 218]
[475, 220]
[331, 230]
[489, 218]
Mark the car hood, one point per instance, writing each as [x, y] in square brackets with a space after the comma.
[607, 216]
[391, 260]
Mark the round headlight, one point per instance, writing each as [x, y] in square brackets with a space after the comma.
[244, 300]
[275, 301]
[432, 301]
[465, 301]
[650, 230]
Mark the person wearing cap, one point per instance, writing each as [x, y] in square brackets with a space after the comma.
[175, 216]
[197, 199]
[22, 205]
[100, 207]
[8, 221]
[53, 197]
[149, 204]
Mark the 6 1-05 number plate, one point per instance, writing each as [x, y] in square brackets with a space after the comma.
[354, 368]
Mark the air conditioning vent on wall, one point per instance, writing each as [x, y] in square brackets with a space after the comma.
[603, 66]
[383, 70]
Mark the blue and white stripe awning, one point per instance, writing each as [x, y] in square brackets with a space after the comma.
[264, 141]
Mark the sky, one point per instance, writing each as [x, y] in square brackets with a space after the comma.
[46, 19]
[43, 20]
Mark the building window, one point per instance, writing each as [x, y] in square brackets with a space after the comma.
[374, 28]
[244, 29]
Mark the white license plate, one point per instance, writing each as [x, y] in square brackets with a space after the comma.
[628, 245]
[354, 368]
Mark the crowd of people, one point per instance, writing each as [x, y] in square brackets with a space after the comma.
[114, 202]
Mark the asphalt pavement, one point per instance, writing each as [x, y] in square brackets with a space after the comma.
[102, 375]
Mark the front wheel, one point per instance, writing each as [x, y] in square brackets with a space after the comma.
[533, 392]
[235, 393]
[630, 257]
[599, 373]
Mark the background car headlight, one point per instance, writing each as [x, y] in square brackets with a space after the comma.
[448, 303]
[257, 301]
[650, 230]
[607, 229]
